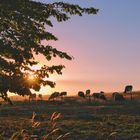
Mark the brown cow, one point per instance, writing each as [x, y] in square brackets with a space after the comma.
[128, 90]
[117, 96]
[99, 95]
[54, 95]
[81, 94]
[32, 97]
[40, 96]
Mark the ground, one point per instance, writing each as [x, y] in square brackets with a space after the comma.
[96, 120]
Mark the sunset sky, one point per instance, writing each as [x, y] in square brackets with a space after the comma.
[105, 48]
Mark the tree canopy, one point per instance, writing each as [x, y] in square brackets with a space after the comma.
[22, 28]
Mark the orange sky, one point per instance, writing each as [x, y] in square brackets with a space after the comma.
[105, 47]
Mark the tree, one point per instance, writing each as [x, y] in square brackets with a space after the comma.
[22, 28]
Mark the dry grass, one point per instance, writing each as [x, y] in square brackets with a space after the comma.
[31, 129]
[85, 121]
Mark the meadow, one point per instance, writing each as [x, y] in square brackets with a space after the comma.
[80, 119]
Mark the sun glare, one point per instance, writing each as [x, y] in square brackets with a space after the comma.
[31, 77]
[36, 67]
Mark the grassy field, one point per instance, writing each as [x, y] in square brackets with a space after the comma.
[83, 120]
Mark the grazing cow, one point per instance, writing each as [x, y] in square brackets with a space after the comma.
[99, 96]
[128, 89]
[102, 97]
[102, 92]
[54, 95]
[40, 96]
[32, 97]
[87, 94]
[117, 96]
[81, 94]
[64, 93]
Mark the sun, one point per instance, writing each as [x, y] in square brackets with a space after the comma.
[31, 77]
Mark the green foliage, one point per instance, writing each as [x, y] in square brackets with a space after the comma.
[22, 28]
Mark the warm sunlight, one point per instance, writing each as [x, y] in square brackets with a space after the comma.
[31, 77]
[77, 60]
[36, 67]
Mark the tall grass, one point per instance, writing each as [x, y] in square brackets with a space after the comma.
[52, 130]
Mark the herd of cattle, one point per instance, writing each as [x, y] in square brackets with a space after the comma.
[101, 96]
[56, 95]
[33, 96]
[116, 96]
[53, 96]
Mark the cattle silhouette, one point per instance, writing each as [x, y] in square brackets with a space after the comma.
[32, 97]
[99, 95]
[40, 96]
[81, 94]
[117, 96]
[128, 90]
[54, 95]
